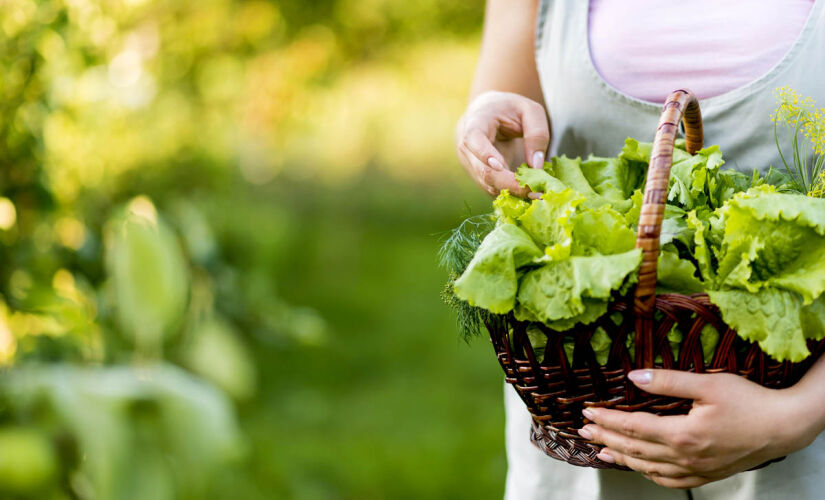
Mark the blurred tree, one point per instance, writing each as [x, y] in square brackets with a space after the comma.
[139, 250]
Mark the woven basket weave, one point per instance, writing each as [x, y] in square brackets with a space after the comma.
[555, 391]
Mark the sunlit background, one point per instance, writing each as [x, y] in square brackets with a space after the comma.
[218, 226]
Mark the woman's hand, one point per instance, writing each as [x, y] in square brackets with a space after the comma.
[499, 131]
[734, 425]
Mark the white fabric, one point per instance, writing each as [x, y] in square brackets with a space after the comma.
[590, 116]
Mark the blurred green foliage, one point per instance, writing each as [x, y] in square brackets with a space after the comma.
[218, 227]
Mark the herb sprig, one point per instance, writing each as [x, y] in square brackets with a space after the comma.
[805, 125]
[457, 250]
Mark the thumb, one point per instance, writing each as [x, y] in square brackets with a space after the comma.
[674, 383]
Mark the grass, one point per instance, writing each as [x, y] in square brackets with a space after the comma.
[394, 404]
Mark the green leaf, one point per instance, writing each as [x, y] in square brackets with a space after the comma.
[217, 353]
[613, 179]
[676, 275]
[774, 240]
[569, 171]
[593, 310]
[709, 338]
[490, 280]
[547, 220]
[126, 421]
[602, 231]
[632, 214]
[636, 152]
[556, 290]
[538, 180]
[148, 272]
[813, 319]
[508, 207]
[600, 342]
[770, 316]
[675, 226]
[701, 250]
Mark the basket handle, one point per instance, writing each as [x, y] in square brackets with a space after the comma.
[681, 105]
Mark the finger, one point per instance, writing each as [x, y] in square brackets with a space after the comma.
[629, 446]
[478, 143]
[476, 170]
[674, 383]
[495, 180]
[681, 483]
[638, 425]
[650, 467]
[504, 179]
[536, 133]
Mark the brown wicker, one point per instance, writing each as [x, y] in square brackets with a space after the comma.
[555, 391]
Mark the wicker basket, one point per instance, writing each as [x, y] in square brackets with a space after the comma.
[555, 391]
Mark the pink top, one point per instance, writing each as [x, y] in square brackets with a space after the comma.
[646, 48]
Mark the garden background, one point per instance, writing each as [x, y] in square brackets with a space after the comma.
[218, 230]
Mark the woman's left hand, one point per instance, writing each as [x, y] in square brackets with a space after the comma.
[734, 425]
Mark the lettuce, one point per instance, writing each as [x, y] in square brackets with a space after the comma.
[769, 316]
[676, 275]
[556, 291]
[547, 221]
[774, 240]
[561, 259]
[490, 279]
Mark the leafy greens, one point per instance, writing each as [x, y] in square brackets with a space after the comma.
[562, 258]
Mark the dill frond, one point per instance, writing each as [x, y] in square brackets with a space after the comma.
[457, 250]
[461, 243]
[469, 319]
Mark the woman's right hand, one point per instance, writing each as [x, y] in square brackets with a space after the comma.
[498, 131]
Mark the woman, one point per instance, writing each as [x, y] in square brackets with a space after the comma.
[595, 73]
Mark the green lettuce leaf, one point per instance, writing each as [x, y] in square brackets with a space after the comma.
[813, 319]
[632, 214]
[547, 221]
[771, 316]
[539, 180]
[569, 171]
[677, 275]
[490, 280]
[709, 338]
[675, 227]
[556, 290]
[602, 231]
[774, 240]
[613, 179]
[593, 310]
[701, 250]
[601, 343]
[508, 208]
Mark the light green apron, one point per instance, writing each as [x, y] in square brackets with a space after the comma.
[590, 116]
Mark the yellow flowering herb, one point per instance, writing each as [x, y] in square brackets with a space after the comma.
[806, 132]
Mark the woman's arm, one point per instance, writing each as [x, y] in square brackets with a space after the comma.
[734, 425]
[505, 123]
[507, 59]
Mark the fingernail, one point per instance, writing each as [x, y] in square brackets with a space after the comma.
[493, 162]
[535, 195]
[640, 377]
[604, 457]
[586, 434]
[538, 159]
[588, 413]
